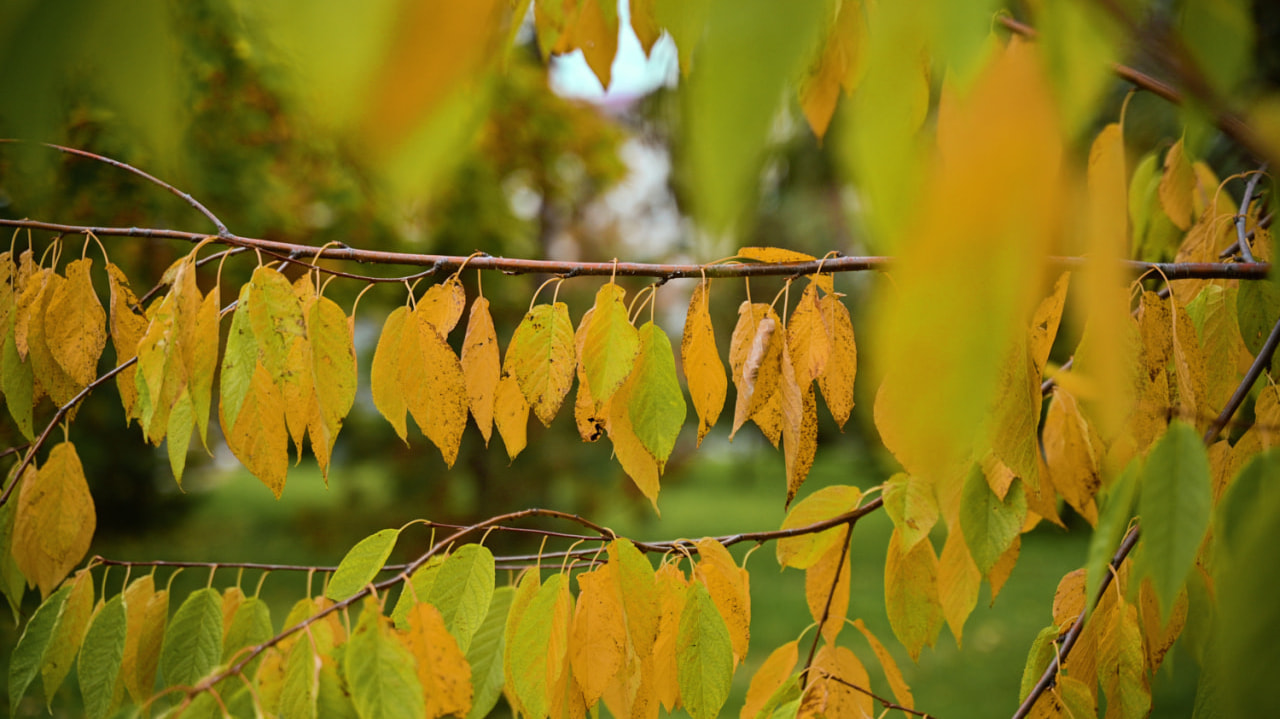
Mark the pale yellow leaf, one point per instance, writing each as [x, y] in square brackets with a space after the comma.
[511, 415]
[441, 306]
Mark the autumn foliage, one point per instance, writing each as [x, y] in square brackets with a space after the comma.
[1004, 208]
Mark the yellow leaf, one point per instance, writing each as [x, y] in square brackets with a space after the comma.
[799, 425]
[232, 598]
[280, 330]
[911, 504]
[837, 698]
[435, 389]
[75, 324]
[527, 587]
[700, 359]
[333, 369]
[836, 380]
[644, 25]
[259, 438]
[1015, 416]
[1176, 186]
[541, 356]
[641, 466]
[203, 359]
[826, 589]
[768, 417]
[723, 580]
[1122, 669]
[892, 674]
[598, 639]
[596, 33]
[30, 301]
[384, 373]
[68, 635]
[671, 584]
[481, 366]
[911, 594]
[809, 337]
[1071, 449]
[1003, 567]
[635, 577]
[959, 582]
[50, 378]
[592, 421]
[1189, 369]
[128, 324]
[441, 306]
[1069, 599]
[770, 677]
[1157, 636]
[442, 668]
[55, 519]
[1044, 324]
[754, 353]
[511, 415]
[776, 255]
[147, 613]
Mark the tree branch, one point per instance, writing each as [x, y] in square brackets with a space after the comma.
[1243, 240]
[883, 702]
[826, 608]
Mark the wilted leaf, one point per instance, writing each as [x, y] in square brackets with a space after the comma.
[755, 351]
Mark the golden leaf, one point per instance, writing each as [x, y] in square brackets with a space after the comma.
[541, 356]
[280, 330]
[770, 677]
[259, 438]
[809, 337]
[203, 358]
[1158, 637]
[799, 426]
[768, 417]
[30, 301]
[754, 353]
[442, 668]
[892, 674]
[826, 589]
[333, 371]
[596, 33]
[1189, 369]
[641, 466]
[598, 639]
[128, 324]
[431, 379]
[911, 594]
[384, 373]
[511, 415]
[671, 584]
[1176, 186]
[1071, 449]
[774, 255]
[723, 580]
[441, 306]
[1069, 599]
[1003, 567]
[50, 378]
[700, 360]
[644, 25]
[54, 520]
[481, 367]
[836, 380]
[1044, 324]
[959, 582]
[837, 698]
[592, 421]
[75, 324]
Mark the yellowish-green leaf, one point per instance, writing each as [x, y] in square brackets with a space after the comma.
[17, 382]
[1042, 650]
[700, 361]
[486, 655]
[805, 550]
[611, 345]
[1175, 505]
[527, 588]
[656, 403]
[911, 504]
[770, 677]
[641, 466]
[280, 328]
[726, 584]
[148, 613]
[704, 655]
[384, 373]
[333, 369]
[541, 358]
[73, 620]
[481, 366]
[28, 655]
[55, 519]
[361, 564]
[911, 594]
[193, 643]
[462, 591]
[1177, 185]
[301, 689]
[534, 661]
[989, 523]
[380, 670]
[259, 438]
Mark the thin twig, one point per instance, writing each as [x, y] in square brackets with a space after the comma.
[193, 202]
[826, 608]
[1260, 363]
[1243, 216]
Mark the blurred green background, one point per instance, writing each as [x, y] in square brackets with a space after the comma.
[542, 164]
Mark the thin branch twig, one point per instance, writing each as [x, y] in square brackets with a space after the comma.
[1242, 390]
[1243, 240]
[826, 608]
[883, 701]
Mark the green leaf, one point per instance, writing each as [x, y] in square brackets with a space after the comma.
[787, 694]
[704, 655]
[239, 360]
[250, 626]
[1113, 520]
[1244, 654]
[657, 407]
[911, 596]
[485, 655]
[12, 584]
[380, 671]
[1257, 310]
[541, 357]
[1219, 35]
[1175, 507]
[100, 657]
[334, 700]
[68, 635]
[610, 347]
[276, 317]
[193, 642]
[805, 550]
[1037, 659]
[28, 656]
[17, 384]
[989, 524]
[463, 590]
[910, 503]
[362, 564]
[301, 683]
[530, 644]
